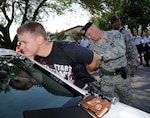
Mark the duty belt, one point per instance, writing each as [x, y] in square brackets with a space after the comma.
[120, 71]
[105, 72]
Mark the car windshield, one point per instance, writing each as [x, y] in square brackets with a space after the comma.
[21, 87]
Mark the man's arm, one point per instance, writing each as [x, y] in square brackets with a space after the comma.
[94, 63]
[132, 53]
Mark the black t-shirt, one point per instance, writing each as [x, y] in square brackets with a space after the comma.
[59, 58]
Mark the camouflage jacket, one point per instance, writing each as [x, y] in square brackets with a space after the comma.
[131, 50]
[113, 49]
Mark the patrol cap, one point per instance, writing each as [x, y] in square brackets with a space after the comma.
[85, 28]
[113, 19]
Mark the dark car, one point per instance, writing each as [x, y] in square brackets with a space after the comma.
[19, 93]
[30, 90]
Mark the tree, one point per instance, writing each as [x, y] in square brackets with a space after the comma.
[102, 11]
[95, 7]
[136, 13]
[19, 11]
[56, 36]
[101, 7]
[75, 36]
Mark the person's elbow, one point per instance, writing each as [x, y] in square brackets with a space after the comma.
[94, 64]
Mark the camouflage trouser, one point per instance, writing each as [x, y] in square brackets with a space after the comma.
[116, 86]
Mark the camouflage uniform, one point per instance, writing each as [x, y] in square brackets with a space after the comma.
[113, 49]
[131, 50]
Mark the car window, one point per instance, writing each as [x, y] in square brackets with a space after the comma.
[21, 88]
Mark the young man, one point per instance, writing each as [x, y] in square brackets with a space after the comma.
[131, 51]
[57, 56]
[111, 47]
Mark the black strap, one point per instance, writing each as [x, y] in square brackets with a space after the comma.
[121, 29]
[120, 71]
[115, 72]
[105, 72]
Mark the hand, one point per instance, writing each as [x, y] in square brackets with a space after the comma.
[134, 69]
[100, 56]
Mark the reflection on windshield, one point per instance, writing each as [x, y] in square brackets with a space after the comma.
[13, 70]
[22, 81]
[20, 73]
[25, 86]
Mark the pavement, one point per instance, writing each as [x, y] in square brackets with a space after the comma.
[141, 88]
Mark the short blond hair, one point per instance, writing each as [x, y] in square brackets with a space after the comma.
[32, 27]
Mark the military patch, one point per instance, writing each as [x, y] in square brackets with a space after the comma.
[117, 35]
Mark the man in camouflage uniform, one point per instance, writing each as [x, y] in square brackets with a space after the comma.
[111, 47]
[131, 50]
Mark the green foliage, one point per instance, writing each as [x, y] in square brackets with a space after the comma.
[21, 10]
[38, 10]
[134, 13]
[11, 66]
[56, 36]
[102, 22]
[106, 9]
[75, 36]
[95, 7]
